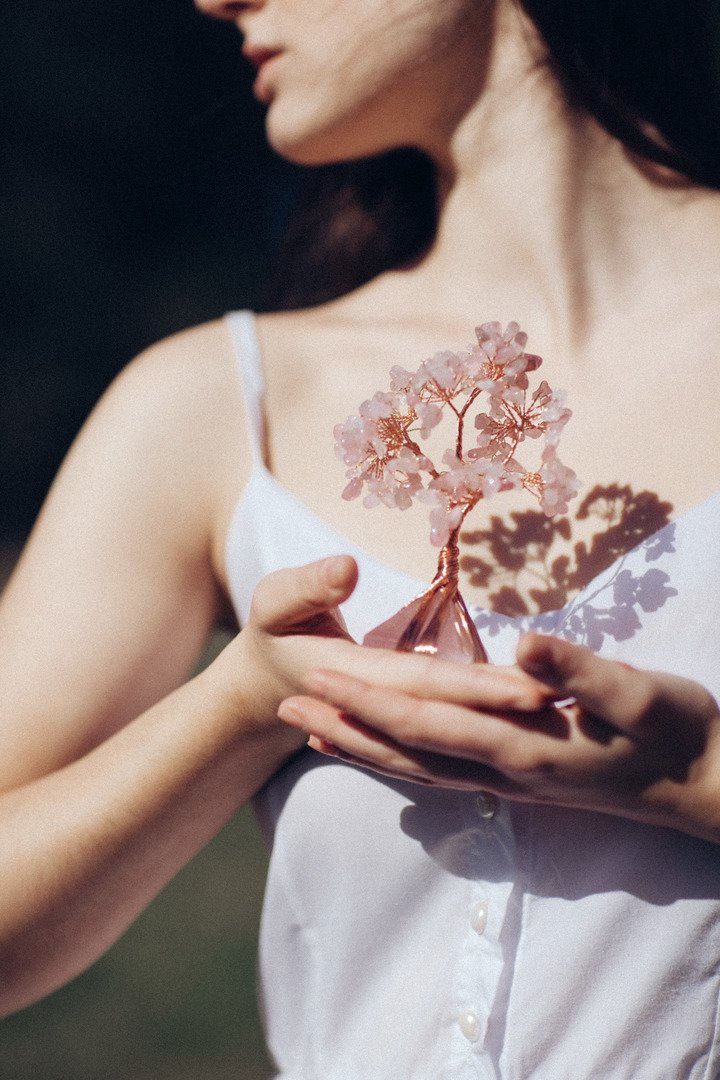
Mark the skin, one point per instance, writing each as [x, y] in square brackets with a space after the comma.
[116, 762]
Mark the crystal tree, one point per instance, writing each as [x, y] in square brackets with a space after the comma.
[383, 457]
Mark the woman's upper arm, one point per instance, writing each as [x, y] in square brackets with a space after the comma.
[114, 594]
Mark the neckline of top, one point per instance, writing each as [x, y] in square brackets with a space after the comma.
[261, 471]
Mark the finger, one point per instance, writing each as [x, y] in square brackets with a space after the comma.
[473, 685]
[287, 597]
[357, 744]
[419, 724]
[331, 750]
[617, 693]
[324, 722]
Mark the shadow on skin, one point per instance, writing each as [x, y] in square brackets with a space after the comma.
[509, 552]
[569, 598]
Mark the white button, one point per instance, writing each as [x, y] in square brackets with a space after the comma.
[487, 805]
[478, 916]
[469, 1025]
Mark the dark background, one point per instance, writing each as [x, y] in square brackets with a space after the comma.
[138, 197]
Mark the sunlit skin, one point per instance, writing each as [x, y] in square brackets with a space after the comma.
[543, 211]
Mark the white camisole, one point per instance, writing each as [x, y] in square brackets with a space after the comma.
[411, 933]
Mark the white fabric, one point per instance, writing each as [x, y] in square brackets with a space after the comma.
[600, 959]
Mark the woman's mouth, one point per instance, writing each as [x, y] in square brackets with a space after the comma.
[262, 59]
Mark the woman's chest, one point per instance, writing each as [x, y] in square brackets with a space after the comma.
[643, 440]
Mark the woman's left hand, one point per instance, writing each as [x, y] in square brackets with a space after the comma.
[640, 744]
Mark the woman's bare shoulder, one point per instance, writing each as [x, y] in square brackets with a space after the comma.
[197, 378]
[197, 354]
[188, 382]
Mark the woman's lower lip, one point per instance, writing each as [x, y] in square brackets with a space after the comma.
[261, 87]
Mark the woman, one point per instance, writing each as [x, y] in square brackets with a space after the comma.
[502, 887]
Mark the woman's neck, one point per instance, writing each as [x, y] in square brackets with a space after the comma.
[544, 217]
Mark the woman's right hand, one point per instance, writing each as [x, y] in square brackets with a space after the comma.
[294, 624]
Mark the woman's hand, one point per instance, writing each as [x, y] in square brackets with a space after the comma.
[295, 626]
[294, 622]
[640, 744]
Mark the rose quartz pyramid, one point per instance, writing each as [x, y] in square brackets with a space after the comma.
[436, 623]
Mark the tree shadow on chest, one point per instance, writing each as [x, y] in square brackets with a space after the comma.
[518, 565]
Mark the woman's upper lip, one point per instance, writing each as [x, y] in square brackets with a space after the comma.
[258, 54]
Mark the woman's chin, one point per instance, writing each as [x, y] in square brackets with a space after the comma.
[303, 143]
[298, 151]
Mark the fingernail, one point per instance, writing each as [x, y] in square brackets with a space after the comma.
[291, 714]
[334, 572]
[322, 746]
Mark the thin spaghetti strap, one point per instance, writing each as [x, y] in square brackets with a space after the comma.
[248, 362]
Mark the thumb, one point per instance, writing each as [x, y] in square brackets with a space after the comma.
[294, 595]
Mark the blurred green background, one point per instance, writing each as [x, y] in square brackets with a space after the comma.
[138, 197]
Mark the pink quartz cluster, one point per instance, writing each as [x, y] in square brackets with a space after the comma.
[382, 456]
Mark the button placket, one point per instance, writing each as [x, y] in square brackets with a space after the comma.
[480, 968]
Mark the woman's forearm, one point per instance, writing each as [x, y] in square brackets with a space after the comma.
[85, 849]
